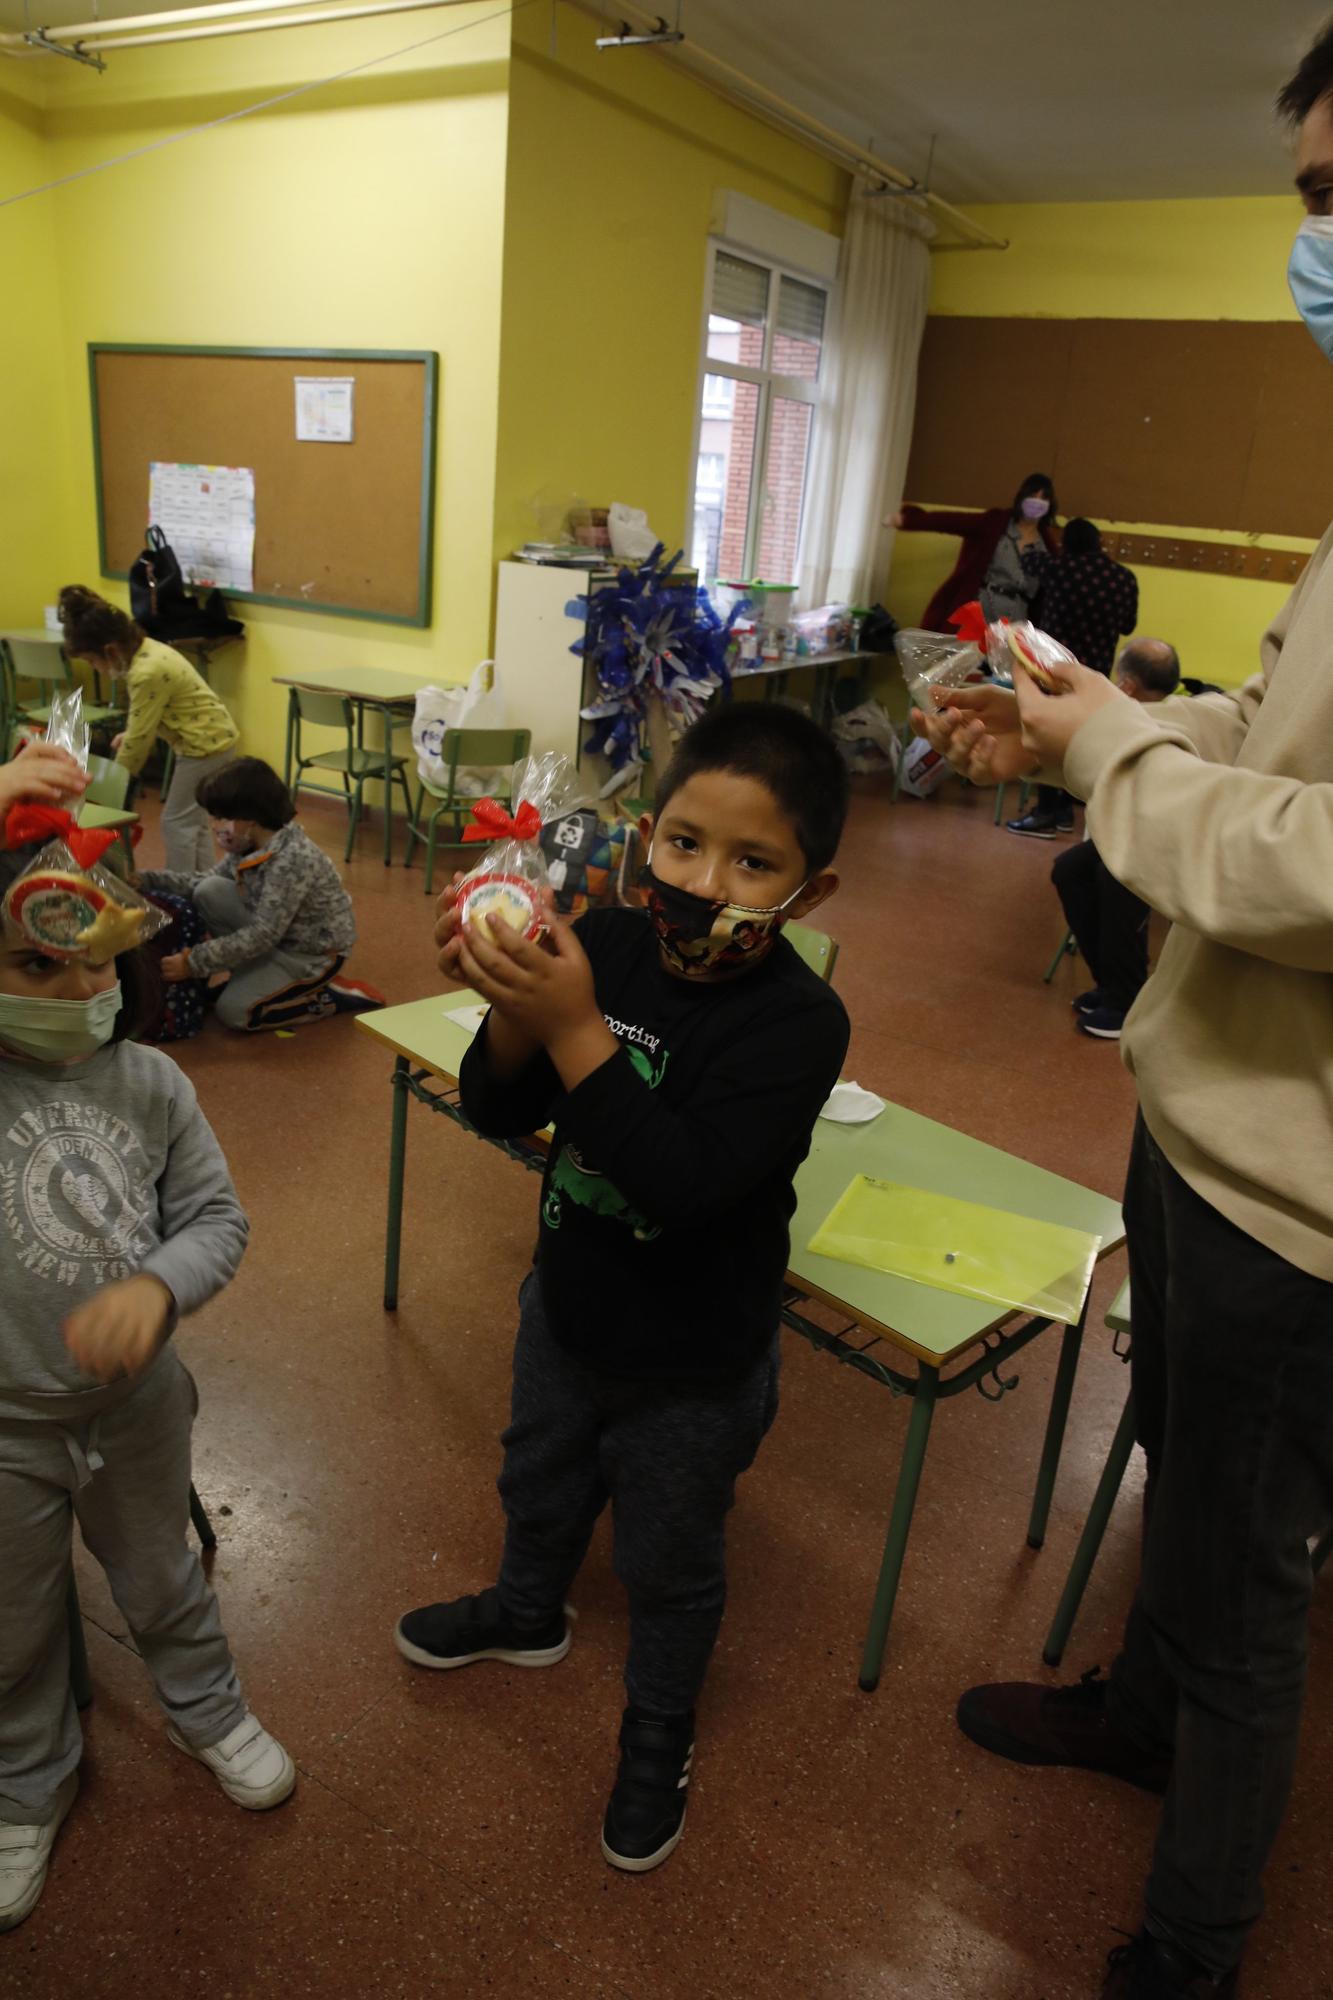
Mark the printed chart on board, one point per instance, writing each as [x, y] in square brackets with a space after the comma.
[207, 513]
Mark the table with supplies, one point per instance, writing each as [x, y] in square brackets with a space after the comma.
[913, 1339]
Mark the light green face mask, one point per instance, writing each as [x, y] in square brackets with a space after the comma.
[57, 1031]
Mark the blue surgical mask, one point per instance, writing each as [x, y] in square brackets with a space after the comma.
[57, 1031]
[1310, 275]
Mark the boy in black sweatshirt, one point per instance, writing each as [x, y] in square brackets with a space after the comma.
[683, 1053]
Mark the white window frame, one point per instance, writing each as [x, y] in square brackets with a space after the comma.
[798, 388]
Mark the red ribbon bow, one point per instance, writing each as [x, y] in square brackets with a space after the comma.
[492, 822]
[25, 825]
[969, 621]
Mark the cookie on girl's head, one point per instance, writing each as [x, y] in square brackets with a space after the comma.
[69, 916]
[509, 897]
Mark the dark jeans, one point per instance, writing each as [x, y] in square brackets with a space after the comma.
[667, 1456]
[1233, 1390]
[1109, 922]
[1051, 802]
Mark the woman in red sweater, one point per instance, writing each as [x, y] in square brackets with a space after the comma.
[980, 535]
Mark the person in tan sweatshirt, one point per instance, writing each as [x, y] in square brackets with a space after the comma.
[1219, 813]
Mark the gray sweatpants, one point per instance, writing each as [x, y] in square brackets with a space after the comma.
[185, 830]
[667, 1457]
[262, 993]
[133, 1509]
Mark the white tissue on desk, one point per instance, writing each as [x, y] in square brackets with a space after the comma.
[467, 1017]
[848, 1104]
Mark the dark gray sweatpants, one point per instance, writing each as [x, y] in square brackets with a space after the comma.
[667, 1458]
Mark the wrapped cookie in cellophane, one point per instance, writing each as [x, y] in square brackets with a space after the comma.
[1019, 644]
[933, 660]
[507, 882]
[62, 902]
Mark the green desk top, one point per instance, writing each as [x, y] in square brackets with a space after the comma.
[386, 684]
[897, 1146]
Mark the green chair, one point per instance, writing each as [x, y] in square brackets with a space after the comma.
[106, 803]
[463, 750]
[1024, 793]
[819, 951]
[46, 663]
[353, 763]
[1067, 945]
[1103, 1500]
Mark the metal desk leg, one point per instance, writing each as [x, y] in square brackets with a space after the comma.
[900, 1522]
[1055, 1429]
[1090, 1541]
[393, 1236]
[291, 737]
[386, 717]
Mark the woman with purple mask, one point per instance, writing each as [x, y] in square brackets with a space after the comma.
[1022, 552]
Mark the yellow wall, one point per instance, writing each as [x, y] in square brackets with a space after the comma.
[368, 214]
[614, 161]
[1130, 260]
[33, 416]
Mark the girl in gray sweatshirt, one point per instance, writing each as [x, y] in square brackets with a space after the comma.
[117, 1218]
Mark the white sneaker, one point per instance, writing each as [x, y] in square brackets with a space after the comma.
[251, 1766]
[25, 1852]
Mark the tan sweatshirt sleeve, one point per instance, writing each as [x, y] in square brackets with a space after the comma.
[1239, 856]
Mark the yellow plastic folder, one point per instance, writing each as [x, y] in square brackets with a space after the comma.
[960, 1246]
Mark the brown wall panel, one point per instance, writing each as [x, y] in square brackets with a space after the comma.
[1192, 423]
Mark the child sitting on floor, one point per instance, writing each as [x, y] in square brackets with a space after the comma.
[122, 1218]
[281, 919]
[683, 1052]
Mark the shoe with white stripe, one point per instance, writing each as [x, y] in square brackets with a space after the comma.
[251, 1766]
[645, 1815]
[25, 1855]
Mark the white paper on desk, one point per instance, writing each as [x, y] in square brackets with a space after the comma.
[324, 405]
[848, 1104]
[207, 513]
[467, 1017]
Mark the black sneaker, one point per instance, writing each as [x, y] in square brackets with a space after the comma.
[1037, 826]
[1148, 1969]
[1104, 1022]
[1030, 1723]
[645, 1815]
[1089, 1002]
[475, 1628]
[1064, 821]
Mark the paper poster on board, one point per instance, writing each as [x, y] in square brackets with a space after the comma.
[324, 409]
[207, 513]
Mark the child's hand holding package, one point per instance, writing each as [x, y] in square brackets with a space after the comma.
[543, 990]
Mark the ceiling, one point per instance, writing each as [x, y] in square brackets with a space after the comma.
[1027, 100]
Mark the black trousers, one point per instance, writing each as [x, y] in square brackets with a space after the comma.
[1109, 922]
[1233, 1391]
[667, 1457]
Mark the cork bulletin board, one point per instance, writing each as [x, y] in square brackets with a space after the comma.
[1221, 424]
[339, 527]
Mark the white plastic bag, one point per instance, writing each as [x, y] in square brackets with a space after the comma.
[479, 705]
[924, 769]
[632, 540]
[867, 739]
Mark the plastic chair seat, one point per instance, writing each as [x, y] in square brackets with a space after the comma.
[356, 762]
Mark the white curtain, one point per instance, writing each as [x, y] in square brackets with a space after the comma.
[864, 429]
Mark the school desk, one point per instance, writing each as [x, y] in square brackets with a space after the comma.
[389, 691]
[890, 1325]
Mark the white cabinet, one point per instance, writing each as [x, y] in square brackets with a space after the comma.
[542, 680]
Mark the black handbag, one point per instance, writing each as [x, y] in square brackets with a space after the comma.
[157, 588]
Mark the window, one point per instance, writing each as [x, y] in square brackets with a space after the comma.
[762, 351]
